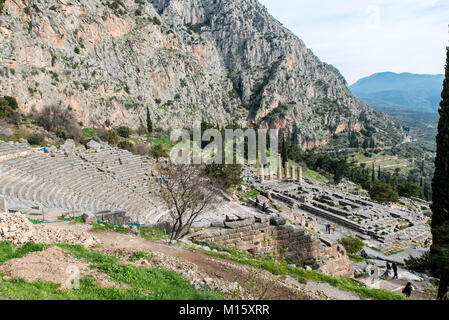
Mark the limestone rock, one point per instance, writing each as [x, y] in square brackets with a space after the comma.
[92, 144]
[52, 149]
[6, 132]
[190, 59]
[69, 145]
[278, 221]
[239, 223]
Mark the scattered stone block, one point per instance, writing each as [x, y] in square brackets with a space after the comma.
[239, 223]
[92, 144]
[278, 221]
[69, 145]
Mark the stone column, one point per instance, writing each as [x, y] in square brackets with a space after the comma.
[293, 172]
[271, 174]
[279, 167]
[300, 174]
[286, 170]
[262, 174]
[3, 205]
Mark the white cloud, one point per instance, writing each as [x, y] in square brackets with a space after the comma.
[365, 37]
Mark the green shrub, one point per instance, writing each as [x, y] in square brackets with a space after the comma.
[61, 132]
[36, 139]
[352, 244]
[382, 192]
[409, 189]
[112, 137]
[124, 131]
[7, 105]
[159, 151]
[126, 145]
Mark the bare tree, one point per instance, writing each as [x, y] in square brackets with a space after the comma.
[62, 121]
[187, 192]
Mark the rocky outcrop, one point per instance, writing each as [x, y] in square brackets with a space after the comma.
[222, 61]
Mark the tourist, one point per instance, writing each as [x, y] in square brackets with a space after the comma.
[426, 243]
[395, 270]
[388, 268]
[384, 275]
[363, 254]
[327, 227]
[264, 208]
[407, 291]
[374, 274]
[367, 268]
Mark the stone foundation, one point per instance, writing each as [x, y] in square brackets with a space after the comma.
[257, 236]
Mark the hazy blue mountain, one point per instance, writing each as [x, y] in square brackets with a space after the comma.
[392, 92]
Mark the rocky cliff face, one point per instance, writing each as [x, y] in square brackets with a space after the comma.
[222, 61]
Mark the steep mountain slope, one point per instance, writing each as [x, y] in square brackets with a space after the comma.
[222, 61]
[402, 92]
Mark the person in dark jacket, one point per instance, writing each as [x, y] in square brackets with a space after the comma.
[389, 268]
[407, 291]
[264, 208]
[395, 270]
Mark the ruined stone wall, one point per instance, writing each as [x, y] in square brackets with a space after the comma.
[117, 217]
[261, 238]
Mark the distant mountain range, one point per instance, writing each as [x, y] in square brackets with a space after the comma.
[392, 92]
[412, 98]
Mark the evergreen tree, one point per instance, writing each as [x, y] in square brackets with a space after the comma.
[349, 133]
[149, 123]
[422, 173]
[439, 251]
[373, 175]
[378, 173]
[372, 143]
[284, 152]
[365, 144]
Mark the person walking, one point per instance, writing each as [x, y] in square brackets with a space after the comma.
[388, 269]
[395, 270]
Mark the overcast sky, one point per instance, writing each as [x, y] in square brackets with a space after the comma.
[362, 37]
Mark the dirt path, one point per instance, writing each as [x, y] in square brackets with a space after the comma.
[257, 283]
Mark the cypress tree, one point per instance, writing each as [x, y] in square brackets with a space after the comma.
[365, 144]
[378, 174]
[422, 174]
[373, 175]
[284, 152]
[149, 123]
[439, 251]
